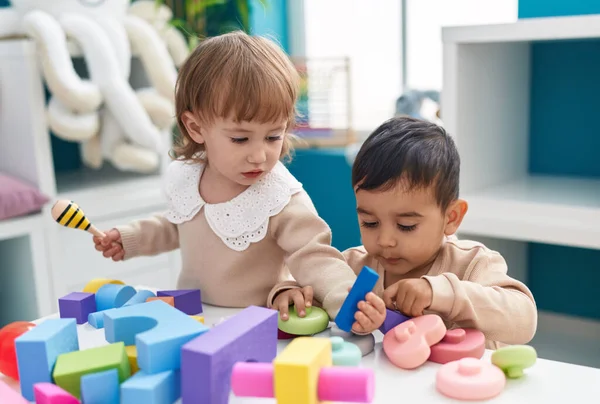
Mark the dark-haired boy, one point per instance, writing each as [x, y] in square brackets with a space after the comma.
[406, 182]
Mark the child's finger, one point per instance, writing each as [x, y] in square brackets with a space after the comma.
[390, 296]
[112, 251]
[368, 309]
[298, 299]
[283, 306]
[112, 235]
[356, 327]
[363, 320]
[376, 301]
[307, 291]
[119, 256]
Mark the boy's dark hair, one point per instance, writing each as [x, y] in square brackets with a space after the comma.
[417, 151]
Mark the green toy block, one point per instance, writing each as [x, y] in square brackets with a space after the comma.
[315, 321]
[513, 359]
[70, 367]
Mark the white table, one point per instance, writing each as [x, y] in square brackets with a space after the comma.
[547, 382]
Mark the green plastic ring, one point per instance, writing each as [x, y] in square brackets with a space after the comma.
[315, 321]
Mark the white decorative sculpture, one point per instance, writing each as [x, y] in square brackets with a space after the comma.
[128, 127]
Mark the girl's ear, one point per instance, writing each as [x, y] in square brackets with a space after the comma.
[454, 216]
[193, 126]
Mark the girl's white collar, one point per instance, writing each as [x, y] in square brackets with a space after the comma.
[238, 222]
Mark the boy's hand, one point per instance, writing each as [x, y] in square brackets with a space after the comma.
[370, 314]
[300, 297]
[111, 245]
[409, 296]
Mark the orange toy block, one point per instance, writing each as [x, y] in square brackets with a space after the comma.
[167, 299]
[297, 370]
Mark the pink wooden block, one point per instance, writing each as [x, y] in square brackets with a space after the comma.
[252, 379]
[48, 393]
[359, 384]
[255, 379]
[470, 379]
[10, 395]
[408, 344]
[457, 344]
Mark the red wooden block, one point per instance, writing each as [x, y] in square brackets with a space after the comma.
[457, 344]
[8, 354]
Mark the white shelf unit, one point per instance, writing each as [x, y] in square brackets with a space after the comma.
[63, 260]
[486, 107]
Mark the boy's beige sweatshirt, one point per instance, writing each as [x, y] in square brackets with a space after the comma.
[471, 289]
[297, 247]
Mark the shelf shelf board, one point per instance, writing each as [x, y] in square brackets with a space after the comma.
[108, 190]
[526, 30]
[20, 226]
[552, 210]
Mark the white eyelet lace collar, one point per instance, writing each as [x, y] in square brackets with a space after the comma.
[238, 222]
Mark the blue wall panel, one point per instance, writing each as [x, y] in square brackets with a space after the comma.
[565, 141]
[556, 8]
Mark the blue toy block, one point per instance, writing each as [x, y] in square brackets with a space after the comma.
[365, 282]
[158, 388]
[38, 349]
[140, 297]
[77, 305]
[101, 387]
[207, 361]
[96, 319]
[112, 296]
[158, 331]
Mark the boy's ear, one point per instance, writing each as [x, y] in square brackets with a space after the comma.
[455, 215]
[193, 126]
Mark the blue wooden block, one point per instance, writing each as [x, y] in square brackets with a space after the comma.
[158, 388]
[111, 296]
[101, 387]
[140, 297]
[365, 282]
[158, 331]
[96, 319]
[38, 349]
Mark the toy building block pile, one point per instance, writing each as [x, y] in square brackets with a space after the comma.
[158, 350]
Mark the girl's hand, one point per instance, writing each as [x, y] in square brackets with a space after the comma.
[111, 246]
[300, 297]
[370, 315]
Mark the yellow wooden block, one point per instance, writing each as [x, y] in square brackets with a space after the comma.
[132, 356]
[198, 318]
[95, 284]
[297, 370]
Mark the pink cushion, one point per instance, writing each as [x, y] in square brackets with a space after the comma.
[18, 198]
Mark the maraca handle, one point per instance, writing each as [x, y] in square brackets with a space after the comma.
[94, 230]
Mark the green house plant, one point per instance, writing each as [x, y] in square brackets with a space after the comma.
[199, 19]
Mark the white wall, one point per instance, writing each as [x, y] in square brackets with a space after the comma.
[368, 32]
[425, 19]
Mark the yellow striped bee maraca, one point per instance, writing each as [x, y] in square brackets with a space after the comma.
[69, 214]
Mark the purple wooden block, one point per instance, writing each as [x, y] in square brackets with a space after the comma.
[207, 360]
[392, 319]
[77, 305]
[188, 301]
